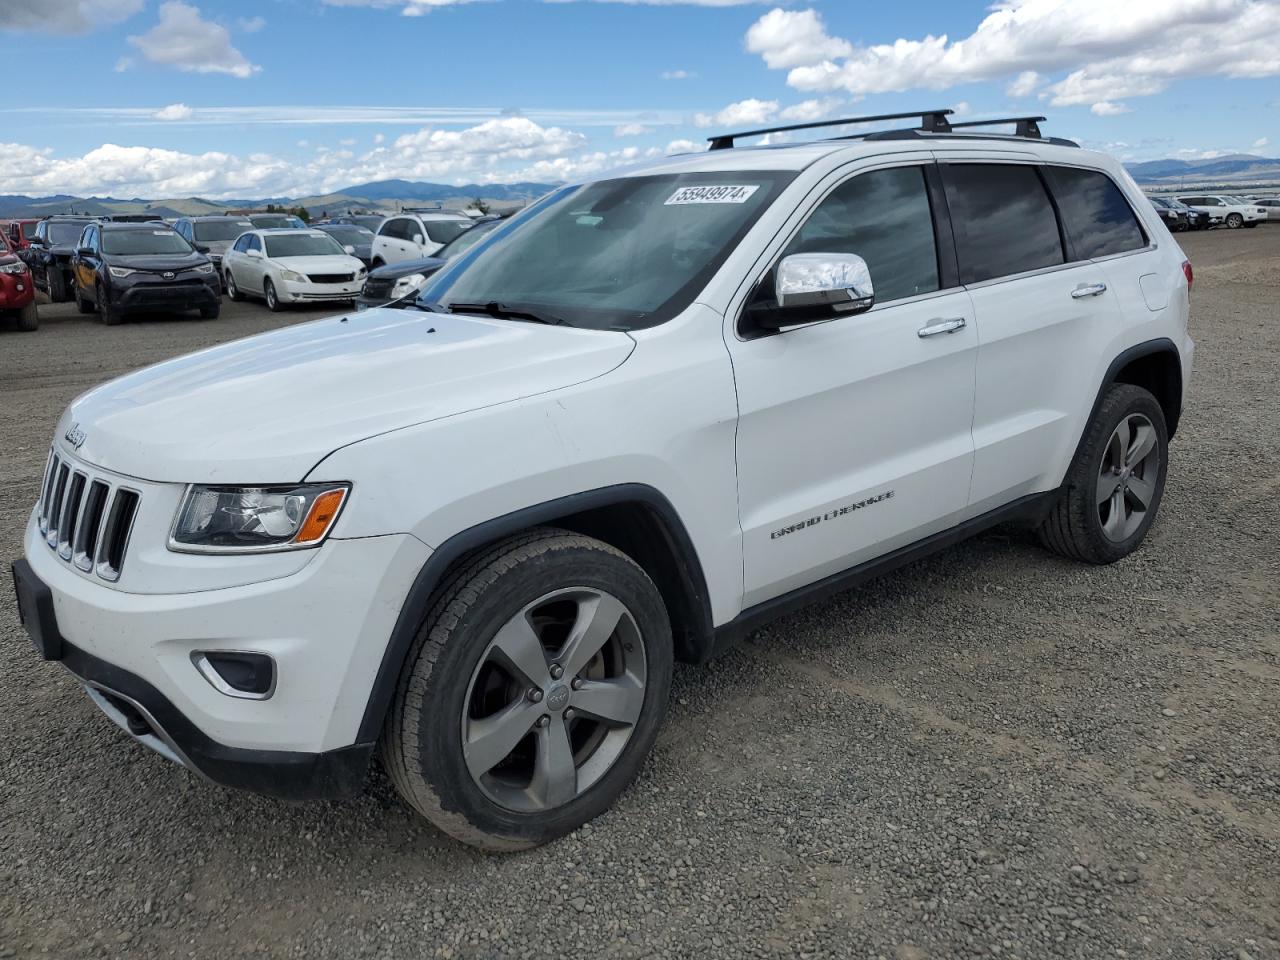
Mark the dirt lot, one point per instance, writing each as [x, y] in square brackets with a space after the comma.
[994, 752]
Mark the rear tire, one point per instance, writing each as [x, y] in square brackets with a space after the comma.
[29, 317]
[1114, 486]
[492, 734]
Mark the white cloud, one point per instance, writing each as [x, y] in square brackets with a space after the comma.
[379, 138]
[1109, 108]
[251, 24]
[1261, 142]
[410, 8]
[807, 110]
[64, 16]
[677, 75]
[347, 142]
[185, 40]
[1110, 51]
[174, 111]
[631, 130]
[684, 146]
[1024, 84]
[787, 38]
[737, 114]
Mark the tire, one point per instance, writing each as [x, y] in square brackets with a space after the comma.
[233, 291]
[83, 305]
[54, 284]
[1234, 221]
[1251, 224]
[210, 312]
[29, 318]
[1080, 525]
[110, 315]
[455, 679]
[377, 262]
[272, 298]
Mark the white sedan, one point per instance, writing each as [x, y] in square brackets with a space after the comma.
[291, 266]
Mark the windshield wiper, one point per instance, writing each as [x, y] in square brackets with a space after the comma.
[501, 311]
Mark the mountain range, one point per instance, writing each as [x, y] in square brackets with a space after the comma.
[1241, 171]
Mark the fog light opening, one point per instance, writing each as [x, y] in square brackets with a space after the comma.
[235, 673]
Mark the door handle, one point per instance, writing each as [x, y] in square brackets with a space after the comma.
[1089, 290]
[935, 327]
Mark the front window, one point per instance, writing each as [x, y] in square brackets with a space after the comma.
[442, 231]
[302, 245]
[350, 236]
[465, 241]
[214, 231]
[269, 221]
[29, 229]
[618, 254]
[142, 243]
[64, 234]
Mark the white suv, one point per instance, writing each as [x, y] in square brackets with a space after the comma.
[1230, 211]
[633, 424]
[413, 236]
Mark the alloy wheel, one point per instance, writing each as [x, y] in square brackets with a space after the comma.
[554, 699]
[1127, 478]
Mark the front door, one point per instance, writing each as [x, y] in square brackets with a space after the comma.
[854, 434]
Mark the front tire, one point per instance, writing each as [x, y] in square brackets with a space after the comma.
[1234, 221]
[533, 692]
[1113, 488]
[272, 298]
[110, 315]
[232, 290]
[83, 305]
[29, 318]
[54, 284]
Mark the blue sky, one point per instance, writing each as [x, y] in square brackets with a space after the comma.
[232, 98]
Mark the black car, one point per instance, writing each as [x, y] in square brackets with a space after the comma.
[357, 241]
[49, 257]
[370, 221]
[396, 284]
[1190, 219]
[1176, 220]
[124, 268]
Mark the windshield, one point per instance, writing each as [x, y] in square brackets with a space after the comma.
[302, 245]
[29, 229]
[267, 221]
[65, 234]
[368, 222]
[211, 231]
[352, 236]
[614, 255]
[465, 241]
[442, 231]
[127, 243]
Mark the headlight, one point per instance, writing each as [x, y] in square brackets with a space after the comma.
[256, 519]
[292, 276]
[16, 267]
[205, 268]
[121, 271]
[360, 274]
[404, 285]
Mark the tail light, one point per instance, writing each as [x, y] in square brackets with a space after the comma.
[1186, 270]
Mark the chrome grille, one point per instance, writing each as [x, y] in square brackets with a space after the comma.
[85, 518]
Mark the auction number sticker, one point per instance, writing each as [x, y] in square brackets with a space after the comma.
[717, 193]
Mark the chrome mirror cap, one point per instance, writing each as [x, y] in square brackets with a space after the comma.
[841, 281]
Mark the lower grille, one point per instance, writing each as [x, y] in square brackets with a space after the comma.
[86, 519]
[377, 288]
[331, 277]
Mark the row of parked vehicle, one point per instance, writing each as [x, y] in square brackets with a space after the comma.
[1201, 211]
[115, 267]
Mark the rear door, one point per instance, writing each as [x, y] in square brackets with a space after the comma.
[1040, 319]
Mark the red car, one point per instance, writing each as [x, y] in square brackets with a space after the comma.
[18, 232]
[17, 292]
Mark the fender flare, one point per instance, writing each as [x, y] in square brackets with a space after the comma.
[417, 603]
[1123, 359]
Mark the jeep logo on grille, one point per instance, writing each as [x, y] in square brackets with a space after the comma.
[74, 436]
[168, 274]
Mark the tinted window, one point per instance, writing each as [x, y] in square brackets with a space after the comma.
[883, 217]
[1003, 220]
[213, 231]
[144, 243]
[398, 229]
[1098, 219]
[302, 245]
[442, 231]
[65, 233]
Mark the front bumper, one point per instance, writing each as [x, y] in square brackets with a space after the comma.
[148, 716]
[147, 295]
[16, 291]
[292, 292]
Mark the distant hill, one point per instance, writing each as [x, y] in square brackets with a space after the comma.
[1238, 168]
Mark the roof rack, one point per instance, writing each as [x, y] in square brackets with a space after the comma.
[933, 121]
[1026, 126]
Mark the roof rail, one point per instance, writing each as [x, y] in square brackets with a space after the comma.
[1026, 126]
[933, 121]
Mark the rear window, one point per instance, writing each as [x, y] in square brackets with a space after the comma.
[442, 231]
[1095, 213]
[1003, 220]
[212, 231]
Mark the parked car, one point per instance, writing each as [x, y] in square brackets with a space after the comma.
[396, 284]
[370, 221]
[291, 266]
[356, 241]
[1270, 204]
[276, 221]
[17, 292]
[18, 232]
[1231, 212]
[669, 406]
[1196, 219]
[1175, 215]
[128, 268]
[412, 236]
[212, 236]
[50, 251]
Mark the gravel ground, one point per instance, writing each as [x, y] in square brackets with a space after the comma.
[993, 752]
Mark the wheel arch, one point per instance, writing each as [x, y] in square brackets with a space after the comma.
[1156, 366]
[635, 518]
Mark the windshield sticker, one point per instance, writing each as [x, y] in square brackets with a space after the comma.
[161, 233]
[719, 193]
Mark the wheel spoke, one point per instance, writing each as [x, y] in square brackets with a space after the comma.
[489, 741]
[598, 617]
[1107, 484]
[518, 648]
[1142, 490]
[616, 702]
[555, 778]
[1121, 440]
[1143, 443]
[1114, 526]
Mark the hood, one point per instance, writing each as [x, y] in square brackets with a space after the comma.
[268, 408]
[155, 261]
[325, 263]
[394, 271]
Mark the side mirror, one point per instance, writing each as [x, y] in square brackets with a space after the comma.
[36, 242]
[417, 238]
[201, 248]
[253, 253]
[817, 286]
